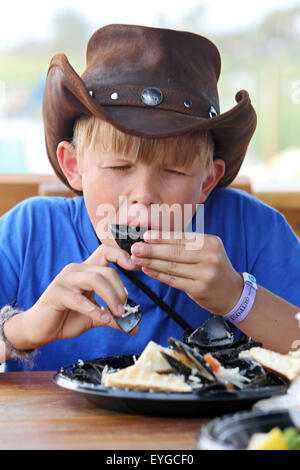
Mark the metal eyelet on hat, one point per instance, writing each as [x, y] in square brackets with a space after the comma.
[114, 95]
[212, 112]
[187, 103]
[152, 96]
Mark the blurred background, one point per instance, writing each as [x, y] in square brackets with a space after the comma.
[259, 43]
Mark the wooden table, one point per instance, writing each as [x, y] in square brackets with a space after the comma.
[35, 413]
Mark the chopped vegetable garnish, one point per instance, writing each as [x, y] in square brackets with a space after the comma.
[212, 361]
[229, 386]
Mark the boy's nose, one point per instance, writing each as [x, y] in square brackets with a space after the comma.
[145, 188]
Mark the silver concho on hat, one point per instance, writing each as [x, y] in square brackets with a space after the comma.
[187, 103]
[152, 96]
[212, 112]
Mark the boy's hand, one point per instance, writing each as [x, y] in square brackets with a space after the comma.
[67, 307]
[194, 263]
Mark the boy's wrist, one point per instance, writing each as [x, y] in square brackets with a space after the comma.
[17, 331]
[230, 301]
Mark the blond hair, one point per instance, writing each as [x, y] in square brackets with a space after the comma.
[185, 151]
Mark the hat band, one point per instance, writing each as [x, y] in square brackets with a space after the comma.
[161, 98]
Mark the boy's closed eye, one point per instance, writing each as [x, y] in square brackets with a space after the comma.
[167, 170]
[120, 167]
[175, 172]
[117, 166]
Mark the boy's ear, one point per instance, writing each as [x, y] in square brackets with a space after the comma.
[66, 156]
[212, 179]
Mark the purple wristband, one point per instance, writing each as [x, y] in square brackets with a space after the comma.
[246, 301]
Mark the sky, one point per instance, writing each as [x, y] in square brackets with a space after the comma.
[31, 19]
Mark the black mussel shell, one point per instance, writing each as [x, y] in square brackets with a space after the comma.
[177, 366]
[242, 344]
[270, 379]
[87, 371]
[248, 367]
[214, 334]
[126, 236]
[185, 370]
[128, 322]
[194, 358]
[186, 334]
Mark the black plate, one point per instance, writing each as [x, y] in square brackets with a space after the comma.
[234, 431]
[207, 403]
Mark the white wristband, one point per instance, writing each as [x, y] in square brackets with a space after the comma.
[244, 305]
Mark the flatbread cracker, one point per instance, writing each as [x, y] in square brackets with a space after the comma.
[152, 353]
[143, 377]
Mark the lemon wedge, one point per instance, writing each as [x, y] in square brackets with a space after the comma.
[273, 440]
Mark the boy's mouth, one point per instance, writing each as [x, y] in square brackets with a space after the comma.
[142, 224]
[137, 224]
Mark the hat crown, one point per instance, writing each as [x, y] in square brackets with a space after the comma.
[162, 58]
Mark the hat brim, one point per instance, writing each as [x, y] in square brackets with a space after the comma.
[66, 97]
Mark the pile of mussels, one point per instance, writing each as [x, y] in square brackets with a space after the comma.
[213, 359]
[213, 340]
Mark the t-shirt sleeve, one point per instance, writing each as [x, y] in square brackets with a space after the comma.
[276, 257]
[13, 235]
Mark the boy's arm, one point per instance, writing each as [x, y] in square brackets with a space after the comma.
[272, 321]
[67, 308]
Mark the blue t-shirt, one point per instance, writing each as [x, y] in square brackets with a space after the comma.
[40, 236]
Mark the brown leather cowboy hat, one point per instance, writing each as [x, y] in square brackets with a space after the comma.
[147, 82]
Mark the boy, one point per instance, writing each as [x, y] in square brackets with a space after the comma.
[143, 123]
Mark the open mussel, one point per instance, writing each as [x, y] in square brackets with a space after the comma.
[193, 360]
[242, 344]
[87, 371]
[270, 379]
[214, 334]
[126, 236]
[191, 375]
[129, 320]
[180, 367]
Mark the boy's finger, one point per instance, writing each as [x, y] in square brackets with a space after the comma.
[86, 271]
[168, 252]
[170, 268]
[164, 236]
[103, 287]
[175, 238]
[74, 300]
[106, 254]
[172, 280]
